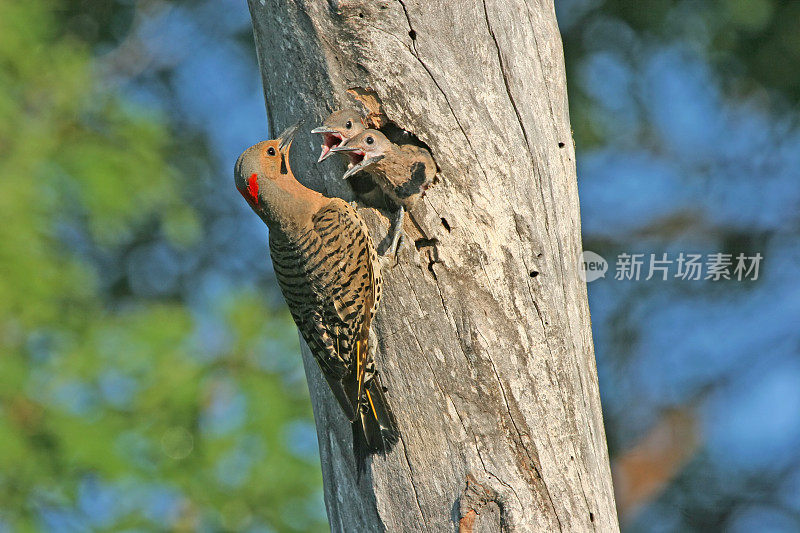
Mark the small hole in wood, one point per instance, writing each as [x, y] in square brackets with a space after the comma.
[361, 15]
[446, 224]
[534, 273]
[561, 145]
[591, 517]
[424, 243]
[413, 35]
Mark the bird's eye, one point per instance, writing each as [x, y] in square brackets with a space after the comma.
[271, 150]
[370, 140]
[348, 124]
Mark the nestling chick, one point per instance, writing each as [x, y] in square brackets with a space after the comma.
[403, 172]
[339, 127]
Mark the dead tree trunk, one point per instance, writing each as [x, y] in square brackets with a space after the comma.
[485, 339]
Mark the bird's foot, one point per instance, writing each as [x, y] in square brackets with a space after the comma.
[396, 231]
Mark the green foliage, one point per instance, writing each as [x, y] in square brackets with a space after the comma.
[97, 391]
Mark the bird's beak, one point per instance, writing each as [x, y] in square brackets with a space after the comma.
[323, 129]
[329, 135]
[344, 148]
[361, 166]
[287, 136]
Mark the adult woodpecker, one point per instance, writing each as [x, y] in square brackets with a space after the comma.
[328, 272]
[402, 171]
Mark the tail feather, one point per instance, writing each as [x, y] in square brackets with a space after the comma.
[375, 429]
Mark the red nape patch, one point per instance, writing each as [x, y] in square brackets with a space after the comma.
[252, 188]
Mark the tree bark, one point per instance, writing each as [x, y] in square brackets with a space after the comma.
[484, 333]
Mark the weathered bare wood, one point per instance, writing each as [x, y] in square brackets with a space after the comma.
[485, 339]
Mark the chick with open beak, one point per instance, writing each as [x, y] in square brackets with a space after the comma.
[339, 127]
[403, 172]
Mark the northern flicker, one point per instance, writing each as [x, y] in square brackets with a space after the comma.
[402, 171]
[339, 127]
[329, 274]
